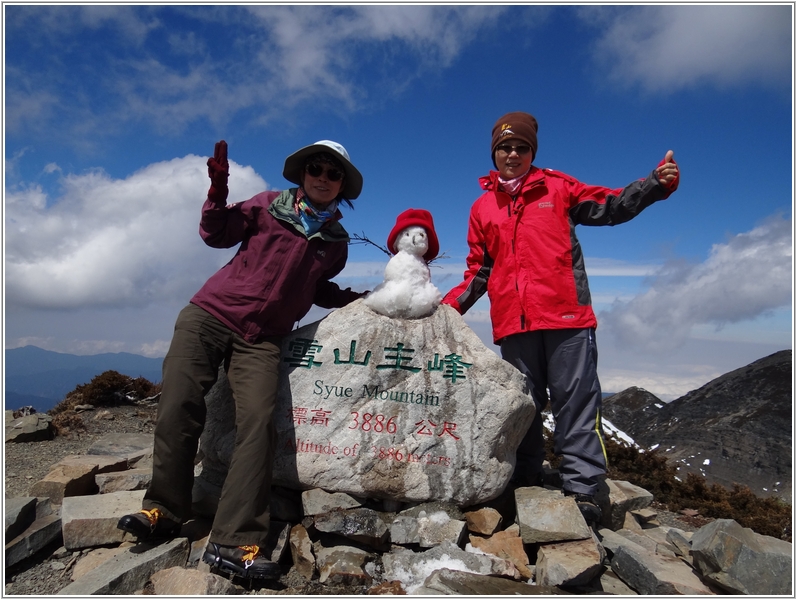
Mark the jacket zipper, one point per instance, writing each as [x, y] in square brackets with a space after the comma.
[514, 253]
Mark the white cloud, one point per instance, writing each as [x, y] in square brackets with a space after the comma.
[279, 57]
[609, 267]
[749, 276]
[664, 48]
[109, 243]
[663, 385]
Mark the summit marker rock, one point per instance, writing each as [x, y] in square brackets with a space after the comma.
[399, 409]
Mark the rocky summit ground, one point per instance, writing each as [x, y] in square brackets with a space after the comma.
[49, 571]
[28, 462]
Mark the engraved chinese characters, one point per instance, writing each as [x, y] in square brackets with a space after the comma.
[408, 410]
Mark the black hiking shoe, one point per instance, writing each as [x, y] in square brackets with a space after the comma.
[149, 524]
[589, 508]
[245, 561]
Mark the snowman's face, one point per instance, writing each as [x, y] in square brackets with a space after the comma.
[413, 240]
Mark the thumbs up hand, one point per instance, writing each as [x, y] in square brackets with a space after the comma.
[667, 172]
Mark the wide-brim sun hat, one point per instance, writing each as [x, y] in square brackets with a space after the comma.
[294, 165]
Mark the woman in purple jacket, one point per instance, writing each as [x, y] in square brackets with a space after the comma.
[291, 246]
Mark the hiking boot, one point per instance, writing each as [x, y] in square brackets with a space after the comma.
[146, 524]
[589, 508]
[245, 561]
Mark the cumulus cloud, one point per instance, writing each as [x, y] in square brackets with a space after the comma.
[746, 277]
[665, 48]
[279, 57]
[108, 242]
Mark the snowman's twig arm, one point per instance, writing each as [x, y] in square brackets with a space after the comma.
[362, 239]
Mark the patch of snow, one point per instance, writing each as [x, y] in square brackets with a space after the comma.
[548, 421]
[470, 548]
[439, 518]
[411, 579]
[613, 431]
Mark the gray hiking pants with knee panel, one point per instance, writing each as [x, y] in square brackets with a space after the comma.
[564, 362]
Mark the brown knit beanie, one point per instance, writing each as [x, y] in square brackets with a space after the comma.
[515, 125]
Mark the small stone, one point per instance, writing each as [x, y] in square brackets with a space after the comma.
[390, 588]
[483, 521]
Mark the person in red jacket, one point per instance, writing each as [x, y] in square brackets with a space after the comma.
[291, 246]
[523, 251]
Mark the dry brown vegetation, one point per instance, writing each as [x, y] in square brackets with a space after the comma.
[649, 470]
[107, 389]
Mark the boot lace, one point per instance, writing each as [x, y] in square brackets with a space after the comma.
[152, 516]
[250, 552]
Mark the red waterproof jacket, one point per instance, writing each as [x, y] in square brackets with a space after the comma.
[278, 272]
[524, 252]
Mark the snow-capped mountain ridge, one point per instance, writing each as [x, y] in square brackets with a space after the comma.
[735, 429]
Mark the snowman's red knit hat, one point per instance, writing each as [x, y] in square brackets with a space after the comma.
[422, 218]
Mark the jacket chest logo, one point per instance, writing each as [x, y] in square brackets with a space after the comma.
[545, 205]
[321, 253]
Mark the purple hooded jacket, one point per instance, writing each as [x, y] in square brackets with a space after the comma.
[278, 272]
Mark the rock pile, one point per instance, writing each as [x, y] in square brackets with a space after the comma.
[526, 541]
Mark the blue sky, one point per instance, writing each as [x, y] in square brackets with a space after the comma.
[111, 111]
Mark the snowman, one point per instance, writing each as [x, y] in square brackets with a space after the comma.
[407, 291]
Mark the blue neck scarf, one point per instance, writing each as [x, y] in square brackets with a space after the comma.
[312, 218]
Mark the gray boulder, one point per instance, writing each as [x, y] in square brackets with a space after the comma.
[742, 561]
[30, 428]
[407, 410]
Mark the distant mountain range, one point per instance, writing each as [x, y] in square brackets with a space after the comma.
[41, 378]
[735, 429]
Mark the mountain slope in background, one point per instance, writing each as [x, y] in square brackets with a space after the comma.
[735, 429]
[41, 378]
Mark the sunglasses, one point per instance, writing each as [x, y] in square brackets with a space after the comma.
[315, 170]
[507, 149]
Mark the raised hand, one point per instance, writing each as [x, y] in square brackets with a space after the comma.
[219, 172]
[218, 167]
[667, 171]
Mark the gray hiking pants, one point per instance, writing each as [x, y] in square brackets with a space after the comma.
[201, 343]
[564, 362]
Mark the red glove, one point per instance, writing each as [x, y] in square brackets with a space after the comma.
[668, 173]
[218, 171]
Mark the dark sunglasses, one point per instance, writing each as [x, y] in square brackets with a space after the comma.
[315, 170]
[507, 148]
